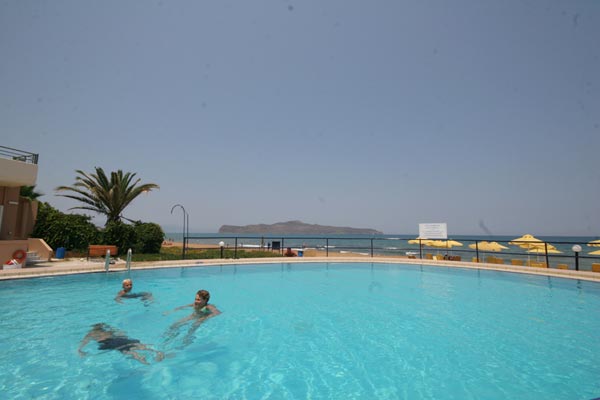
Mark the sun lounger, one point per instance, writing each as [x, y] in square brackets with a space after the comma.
[596, 267]
[562, 266]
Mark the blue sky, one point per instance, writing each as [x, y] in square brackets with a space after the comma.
[379, 114]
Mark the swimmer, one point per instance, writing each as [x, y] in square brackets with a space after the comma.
[110, 339]
[202, 312]
[126, 293]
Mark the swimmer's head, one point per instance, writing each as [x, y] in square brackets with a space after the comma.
[202, 297]
[127, 285]
[100, 327]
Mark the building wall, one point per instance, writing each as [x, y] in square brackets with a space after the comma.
[9, 198]
[18, 214]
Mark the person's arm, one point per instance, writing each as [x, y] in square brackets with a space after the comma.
[178, 308]
[85, 341]
[213, 310]
[119, 295]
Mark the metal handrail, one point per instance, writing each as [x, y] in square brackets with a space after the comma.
[373, 246]
[18, 155]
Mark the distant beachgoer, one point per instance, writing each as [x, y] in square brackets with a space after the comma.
[290, 253]
[126, 293]
[110, 339]
[202, 312]
[269, 246]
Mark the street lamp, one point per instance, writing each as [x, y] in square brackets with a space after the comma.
[186, 220]
[222, 244]
[576, 248]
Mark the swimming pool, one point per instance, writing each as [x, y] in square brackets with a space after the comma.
[311, 330]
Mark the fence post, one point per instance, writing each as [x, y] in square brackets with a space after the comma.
[327, 247]
[371, 247]
[235, 249]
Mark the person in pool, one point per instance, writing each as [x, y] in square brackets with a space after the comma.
[126, 293]
[110, 339]
[202, 311]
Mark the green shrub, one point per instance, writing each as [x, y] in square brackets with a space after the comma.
[119, 234]
[149, 237]
[72, 231]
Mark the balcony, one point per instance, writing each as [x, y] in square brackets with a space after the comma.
[17, 167]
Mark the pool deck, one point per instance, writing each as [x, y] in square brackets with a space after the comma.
[81, 266]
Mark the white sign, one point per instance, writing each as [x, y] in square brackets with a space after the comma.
[433, 231]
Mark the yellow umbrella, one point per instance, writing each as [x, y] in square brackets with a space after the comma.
[488, 246]
[423, 241]
[594, 243]
[527, 242]
[498, 245]
[438, 243]
[595, 253]
[542, 250]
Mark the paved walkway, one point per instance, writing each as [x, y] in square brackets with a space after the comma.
[81, 266]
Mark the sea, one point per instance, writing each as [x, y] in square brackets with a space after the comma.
[397, 244]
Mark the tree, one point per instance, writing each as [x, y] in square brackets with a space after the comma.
[73, 231]
[29, 192]
[149, 237]
[106, 196]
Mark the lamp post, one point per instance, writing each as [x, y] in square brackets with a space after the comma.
[186, 220]
[222, 244]
[576, 248]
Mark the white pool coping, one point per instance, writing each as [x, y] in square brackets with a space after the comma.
[79, 266]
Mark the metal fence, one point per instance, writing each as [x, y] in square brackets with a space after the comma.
[555, 254]
[18, 155]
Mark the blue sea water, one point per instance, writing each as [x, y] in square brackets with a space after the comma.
[317, 330]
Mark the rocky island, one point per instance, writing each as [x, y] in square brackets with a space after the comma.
[297, 227]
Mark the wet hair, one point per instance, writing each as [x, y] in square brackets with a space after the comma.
[127, 280]
[204, 294]
[101, 327]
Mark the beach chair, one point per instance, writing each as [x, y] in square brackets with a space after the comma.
[516, 262]
[429, 256]
[596, 267]
[498, 260]
[562, 266]
[538, 264]
[490, 260]
[474, 259]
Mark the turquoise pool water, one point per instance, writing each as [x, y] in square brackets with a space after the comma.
[296, 331]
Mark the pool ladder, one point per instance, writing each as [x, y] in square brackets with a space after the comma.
[128, 263]
[107, 261]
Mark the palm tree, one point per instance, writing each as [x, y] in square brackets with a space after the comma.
[104, 196]
[29, 192]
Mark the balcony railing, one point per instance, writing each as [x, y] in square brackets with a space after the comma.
[18, 155]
